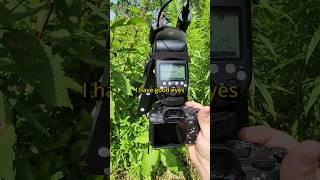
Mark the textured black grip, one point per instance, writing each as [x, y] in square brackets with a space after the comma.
[192, 128]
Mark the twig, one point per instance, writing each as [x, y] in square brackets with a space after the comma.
[51, 7]
[17, 5]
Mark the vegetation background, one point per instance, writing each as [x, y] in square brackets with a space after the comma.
[284, 93]
[48, 48]
[130, 47]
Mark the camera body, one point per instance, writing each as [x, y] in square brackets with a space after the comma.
[173, 126]
[251, 161]
[167, 78]
[231, 68]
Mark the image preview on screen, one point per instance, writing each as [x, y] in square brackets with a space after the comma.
[225, 35]
[172, 72]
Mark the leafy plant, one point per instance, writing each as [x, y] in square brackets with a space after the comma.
[48, 48]
[130, 22]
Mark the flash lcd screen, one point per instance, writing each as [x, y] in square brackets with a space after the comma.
[225, 35]
[172, 72]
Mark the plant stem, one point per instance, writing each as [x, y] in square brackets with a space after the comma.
[51, 7]
[16, 6]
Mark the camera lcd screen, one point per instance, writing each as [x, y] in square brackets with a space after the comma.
[169, 134]
[225, 35]
[172, 72]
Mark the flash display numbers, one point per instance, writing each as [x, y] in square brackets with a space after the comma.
[172, 72]
[225, 35]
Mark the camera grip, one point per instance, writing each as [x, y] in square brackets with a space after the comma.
[192, 125]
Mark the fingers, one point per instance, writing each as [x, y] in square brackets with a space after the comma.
[267, 136]
[203, 117]
[302, 162]
[194, 105]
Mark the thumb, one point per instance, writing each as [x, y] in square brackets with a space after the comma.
[302, 162]
[204, 118]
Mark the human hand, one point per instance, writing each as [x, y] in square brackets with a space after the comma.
[200, 152]
[302, 161]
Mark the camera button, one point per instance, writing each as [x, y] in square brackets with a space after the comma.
[103, 152]
[264, 165]
[214, 68]
[230, 68]
[241, 75]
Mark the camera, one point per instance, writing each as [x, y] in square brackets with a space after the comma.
[166, 81]
[230, 73]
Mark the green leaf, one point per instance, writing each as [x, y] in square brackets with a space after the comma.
[7, 17]
[312, 45]
[282, 89]
[120, 22]
[267, 97]
[136, 21]
[169, 160]
[294, 129]
[39, 67]
[57, 176]
[61, 33]
[98, 11]
[268, 44]
[5, 62]
[148, 161]
[313, 98]
[84, 122]
[27, 114]
[7, 140]
[143, 138]
[23, 167]
[112, 107]
[122, 82]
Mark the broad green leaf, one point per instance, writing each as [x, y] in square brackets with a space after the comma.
[169, 160]
[120, 22]
[122, 82]
[7, 140]
[7, 154]
[38, 66]
[149, 160]
[97, 11]
[23, 167]
[57, 176]
[7, 17]
[27, 114]
[61, 33]
[313, 98]
[84, 122]
[136, 21]
[143, 138]
[312, 45]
